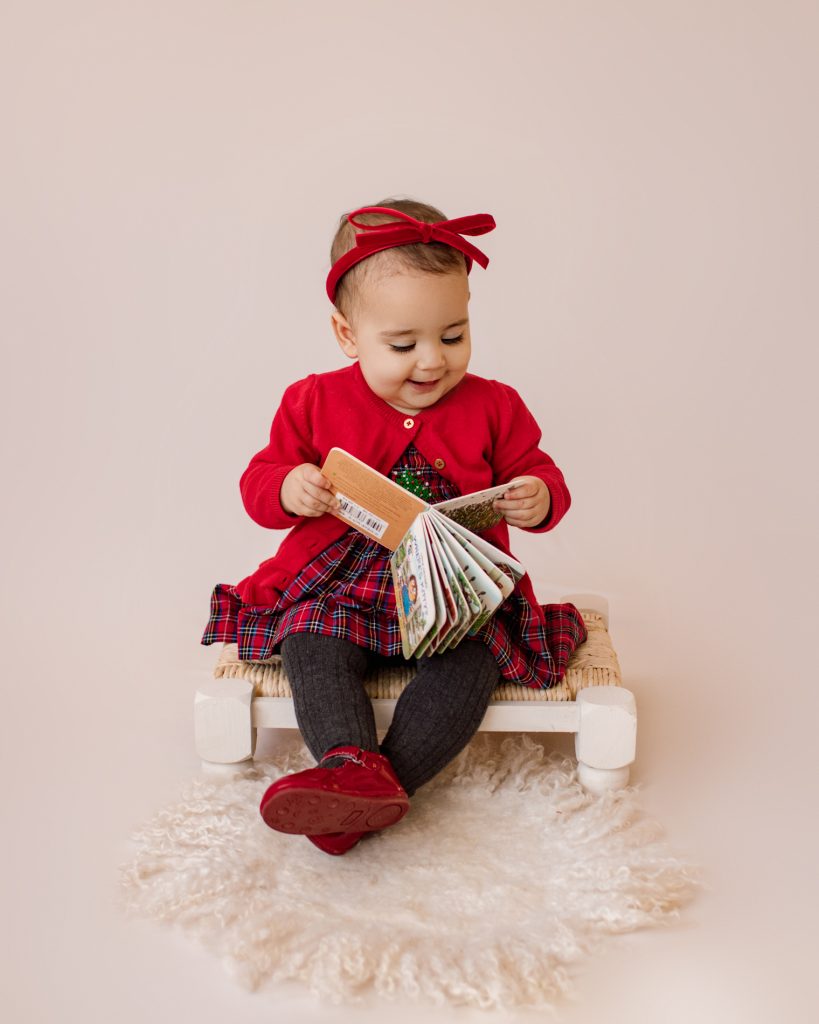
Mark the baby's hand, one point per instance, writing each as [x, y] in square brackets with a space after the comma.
[527, 504]
[305, 491]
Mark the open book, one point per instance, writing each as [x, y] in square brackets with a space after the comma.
[448, 580]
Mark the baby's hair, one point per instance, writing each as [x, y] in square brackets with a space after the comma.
[427, 257]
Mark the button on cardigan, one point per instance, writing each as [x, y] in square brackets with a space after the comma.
[481, 430]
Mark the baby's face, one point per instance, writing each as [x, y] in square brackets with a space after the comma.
[414, 369]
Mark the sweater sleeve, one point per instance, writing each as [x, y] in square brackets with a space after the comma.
[517, 453]
[290, 445]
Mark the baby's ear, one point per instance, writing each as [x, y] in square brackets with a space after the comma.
[344, 335]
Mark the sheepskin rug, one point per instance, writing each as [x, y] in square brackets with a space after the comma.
[503, 874]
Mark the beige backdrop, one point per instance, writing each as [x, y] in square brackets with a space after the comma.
[172, 175]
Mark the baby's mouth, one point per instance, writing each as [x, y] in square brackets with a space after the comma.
[424, 383]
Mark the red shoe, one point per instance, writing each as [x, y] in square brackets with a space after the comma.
[336, 842]
[363, 794]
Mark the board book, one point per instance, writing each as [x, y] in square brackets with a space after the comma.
[448, 580]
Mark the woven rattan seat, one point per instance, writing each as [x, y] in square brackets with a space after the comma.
[593, 663]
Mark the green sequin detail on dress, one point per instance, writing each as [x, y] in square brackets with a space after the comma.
[412, 483]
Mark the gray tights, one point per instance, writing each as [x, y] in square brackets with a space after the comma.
[435, 717]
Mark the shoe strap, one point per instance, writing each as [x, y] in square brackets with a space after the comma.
[346, 755]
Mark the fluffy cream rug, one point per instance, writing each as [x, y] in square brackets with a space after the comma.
[503, 873]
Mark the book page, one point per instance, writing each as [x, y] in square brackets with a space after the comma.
[473, 603]
[464, 598]
[414, 596]
[493, 553]
[494, 572]
[450, 591]
[475, 511]
[372, 503]
[438, 588]
[488, 594]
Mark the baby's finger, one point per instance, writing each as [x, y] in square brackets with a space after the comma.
[318, 497]
[513, 504]
[518, 493]
[313, 475]
[519, 520]
[522, 490]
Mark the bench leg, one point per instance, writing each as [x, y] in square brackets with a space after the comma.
[606, 739]
[223, 727]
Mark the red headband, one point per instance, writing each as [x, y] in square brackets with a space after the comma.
[375, 237]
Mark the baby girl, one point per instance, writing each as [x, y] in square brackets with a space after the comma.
[408, 406]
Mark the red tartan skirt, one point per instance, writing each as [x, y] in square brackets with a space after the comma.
[347, 591]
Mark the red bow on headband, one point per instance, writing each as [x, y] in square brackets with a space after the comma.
[376, 237]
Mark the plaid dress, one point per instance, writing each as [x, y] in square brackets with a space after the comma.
[347, 591]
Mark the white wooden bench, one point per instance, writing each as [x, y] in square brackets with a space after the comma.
[244, 696]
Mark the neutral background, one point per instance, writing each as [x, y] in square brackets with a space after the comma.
[172, 175]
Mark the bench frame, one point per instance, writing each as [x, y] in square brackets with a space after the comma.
[602, 718]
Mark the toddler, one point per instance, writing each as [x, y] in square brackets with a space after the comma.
[407, 406]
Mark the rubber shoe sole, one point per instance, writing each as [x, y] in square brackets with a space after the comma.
[309, 811]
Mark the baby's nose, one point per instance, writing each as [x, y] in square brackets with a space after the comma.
[430, 361]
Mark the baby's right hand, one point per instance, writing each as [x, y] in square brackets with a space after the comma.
[305, 491]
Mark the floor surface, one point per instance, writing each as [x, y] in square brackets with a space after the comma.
[105, 762]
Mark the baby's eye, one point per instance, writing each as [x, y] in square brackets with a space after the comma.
[409, 348]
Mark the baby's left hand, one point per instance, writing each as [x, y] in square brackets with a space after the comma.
[527, 504]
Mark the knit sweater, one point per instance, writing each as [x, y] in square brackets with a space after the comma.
[478, 435]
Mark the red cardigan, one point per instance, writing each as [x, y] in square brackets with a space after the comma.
[479, 434]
